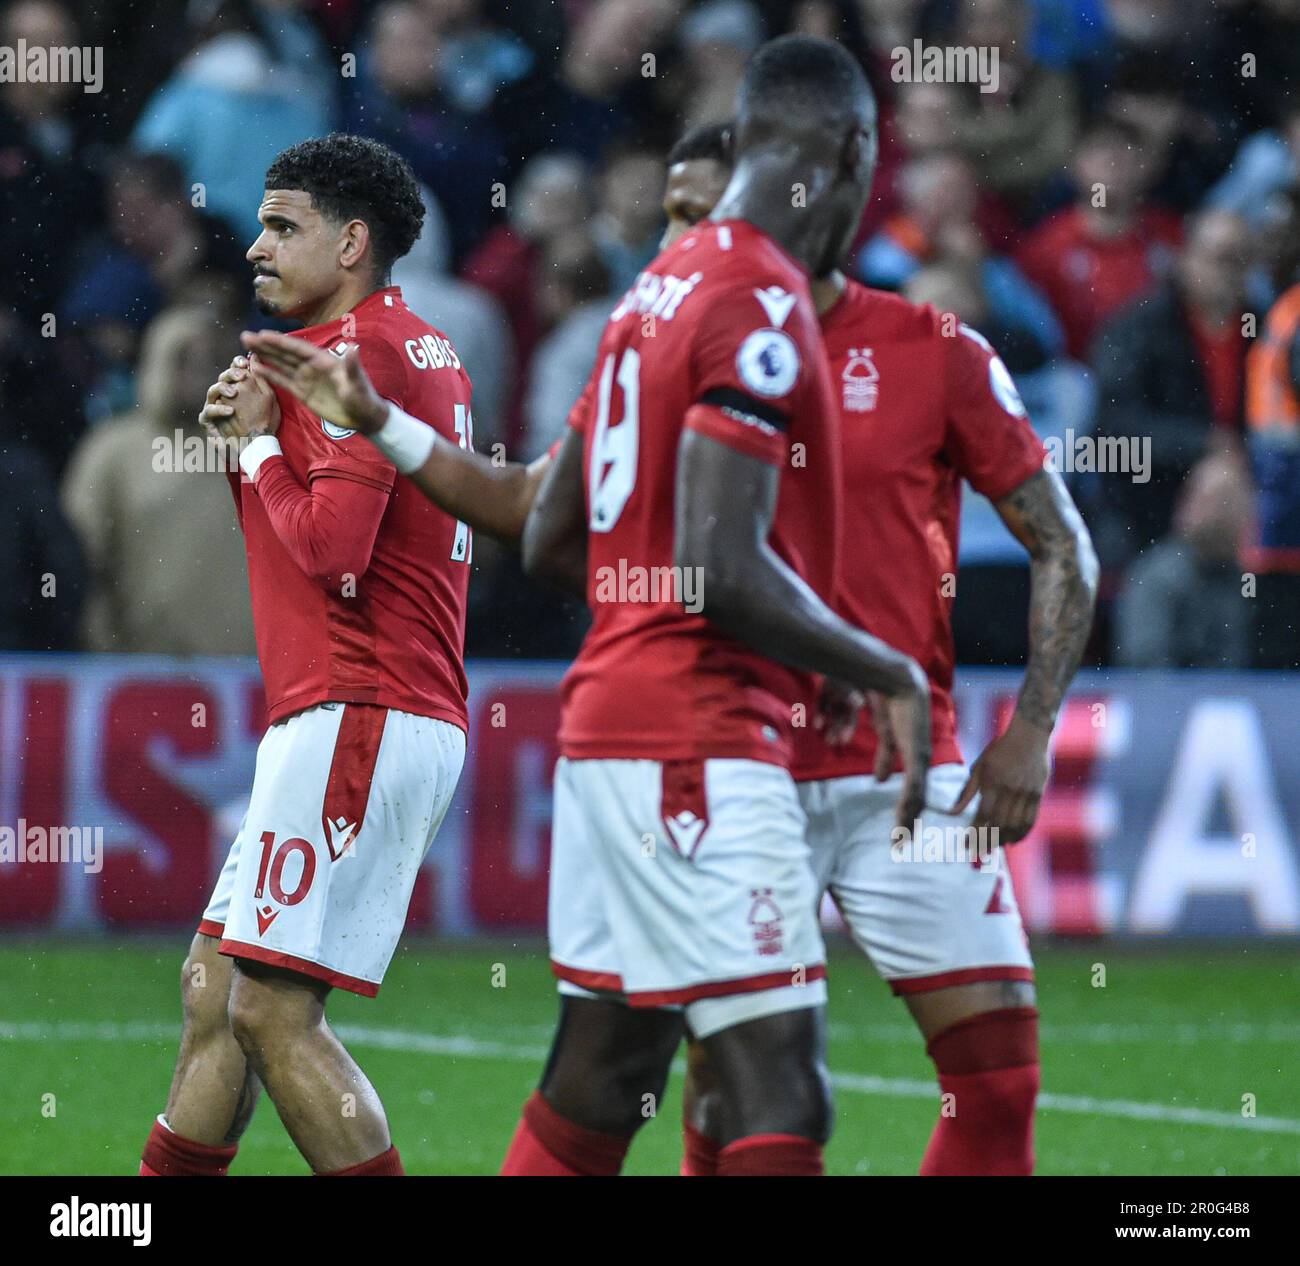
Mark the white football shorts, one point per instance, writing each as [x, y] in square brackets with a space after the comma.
[684, 884]
[930, 909]
[346, 801]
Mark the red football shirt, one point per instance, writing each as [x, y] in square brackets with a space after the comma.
[718, 335]
[924, 403]
[394, 634]
[1087, 279]
[1223, 358]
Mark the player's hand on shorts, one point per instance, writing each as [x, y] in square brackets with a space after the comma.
[1010, 776]
[838, 708]
[909, 721]
[886, 744]
[241, 403]
[336, 388]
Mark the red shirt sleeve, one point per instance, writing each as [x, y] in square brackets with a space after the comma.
[235, 479]
[990, 440]
[749, 376]
[330, 530]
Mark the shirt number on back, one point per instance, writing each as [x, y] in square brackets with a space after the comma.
[614, 448]
[462, 546]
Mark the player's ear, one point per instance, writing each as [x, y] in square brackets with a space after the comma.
[857, 153]
[356, 237]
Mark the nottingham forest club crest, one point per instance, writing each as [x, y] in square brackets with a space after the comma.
[861, 381]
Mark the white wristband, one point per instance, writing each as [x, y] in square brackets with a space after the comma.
[404, 440]
[255, 452]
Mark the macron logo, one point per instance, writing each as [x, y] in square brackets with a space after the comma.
[97, 1221]
[777, 303]
[685, 828]
[339, 833]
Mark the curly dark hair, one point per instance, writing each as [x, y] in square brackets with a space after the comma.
[355, 178]
[709, 142]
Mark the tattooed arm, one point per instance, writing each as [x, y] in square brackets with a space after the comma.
[1063, 590]
[1012, 771]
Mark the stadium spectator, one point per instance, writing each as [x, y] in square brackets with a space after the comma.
[936, 224]
[400, 97]
[1270, 30]
[575, 303]
[42, 571]
[549, 198]
[629, 219]
[1273, 443]
[1267, 163]
[1277, 253]
[717, 39]
[1182, 605]
[1019, 135]
[158, 250]
[889, 24]
[1105, 250]
[46, 184]
[42, 400]
[155, 520]
[477, 59]
[611, 90]
[1170, 371]
[471, 317]
[531, 120]
[1184, 145]
[258, 79]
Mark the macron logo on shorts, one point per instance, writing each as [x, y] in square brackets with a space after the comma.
[684, 805]
[339, 835]
[685, 829]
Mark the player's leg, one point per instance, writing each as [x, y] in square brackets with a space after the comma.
[350, 799]
[774, 1108]
[604, 1079]
[327, 1104]
[213, 1092]
[605, 1055]
[983, 1039]
[945, 932]
[682, 883]
[701, 1113]
[702, 1123]
[759, 1014]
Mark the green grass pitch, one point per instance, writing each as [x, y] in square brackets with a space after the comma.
[1152, 1073]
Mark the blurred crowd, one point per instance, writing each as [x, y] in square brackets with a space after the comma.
[1117, 212]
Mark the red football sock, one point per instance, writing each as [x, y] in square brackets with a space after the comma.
[551, 1146]
[765, 1154]
[386, 1165]
[699, 1153]
[988, 1063]
[168, 1155]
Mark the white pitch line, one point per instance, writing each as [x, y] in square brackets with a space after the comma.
[464, 1047]
[1083, 1105]
[1244, 1032]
